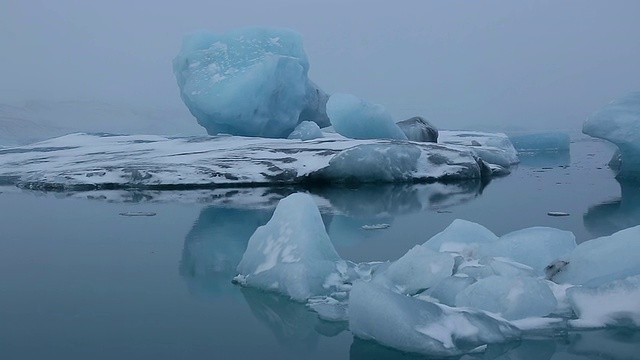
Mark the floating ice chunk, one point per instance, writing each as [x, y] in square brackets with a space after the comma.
[461, 236]
[419, 129]
[613, 304]
[306, 130]
[550, 141]
[602, 260]
[510, 297]
[419, 269]
[412, 325]
[358, 119]
[243, 83]
[535, 246]
[292, 254]
[375, 226]
[619, 122]
[494, 148]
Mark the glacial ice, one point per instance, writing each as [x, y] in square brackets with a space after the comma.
[619, 123]
[602, 260]
[85, 161]
[510, 297]
[359, 119]
[494, 148]
[550, 141]
[306, 130]
[454, 294]
[249, 82]
[612, 304]
[417, 326]
[292, 254]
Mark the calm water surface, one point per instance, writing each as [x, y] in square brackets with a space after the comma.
[80, 281]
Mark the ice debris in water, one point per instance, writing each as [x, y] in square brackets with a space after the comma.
[250, 82]
[550, 141]
[460, 290]
[359, 119]
[619, 123]
[375, 226]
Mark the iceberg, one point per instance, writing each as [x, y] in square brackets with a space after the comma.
[419, 129]
[249, 82]
[619, 123]
[550, 141]
[104, 161]
[603, 260]
[417, 326]
[359, 119]
[512, 298]
[461, 236]
[292, 254]
[613, 304]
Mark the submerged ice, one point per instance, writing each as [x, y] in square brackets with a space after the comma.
[459, 291]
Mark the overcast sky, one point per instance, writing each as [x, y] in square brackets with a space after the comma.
[458, 63]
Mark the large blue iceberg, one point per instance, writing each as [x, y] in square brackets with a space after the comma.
[619, 123]
[250, 82]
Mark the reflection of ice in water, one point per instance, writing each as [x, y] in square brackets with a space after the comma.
[606, 218]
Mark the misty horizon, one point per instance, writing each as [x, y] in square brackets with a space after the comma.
[459, 64]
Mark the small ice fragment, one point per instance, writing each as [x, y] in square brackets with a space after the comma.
[557, 213]
[138, 213]
[375, 226]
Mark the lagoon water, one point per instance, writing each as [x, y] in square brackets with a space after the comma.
[80, 280]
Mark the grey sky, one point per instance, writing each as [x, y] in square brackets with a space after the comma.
[456, 62]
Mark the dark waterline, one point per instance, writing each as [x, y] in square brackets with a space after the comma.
[77, 280]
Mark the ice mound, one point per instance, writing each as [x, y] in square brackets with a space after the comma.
[461, 236]
[494, 148]
[250, 82]
[603, 260]
[551, 141]
[292, 254]
[359, 119]
[510, 297]
[614, 304]
[306, 130]
[412, 325]
[419, 129]
[619, 123]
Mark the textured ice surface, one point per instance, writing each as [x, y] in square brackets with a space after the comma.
[413, 325]
[619, 123]
[602, 260]
[446, 290]
[292, 254]
[306, 130]
[510, 297]
[494, 148]
[419, 129]
[551, 141]
[419, 269]
[250, 82]
[613, 304]
[359, 119]
[82, 161]
[536, 247]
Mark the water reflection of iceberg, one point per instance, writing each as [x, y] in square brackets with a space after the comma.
[292, 323]
[606, 218]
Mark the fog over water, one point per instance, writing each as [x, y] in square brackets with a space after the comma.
[540, 64]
